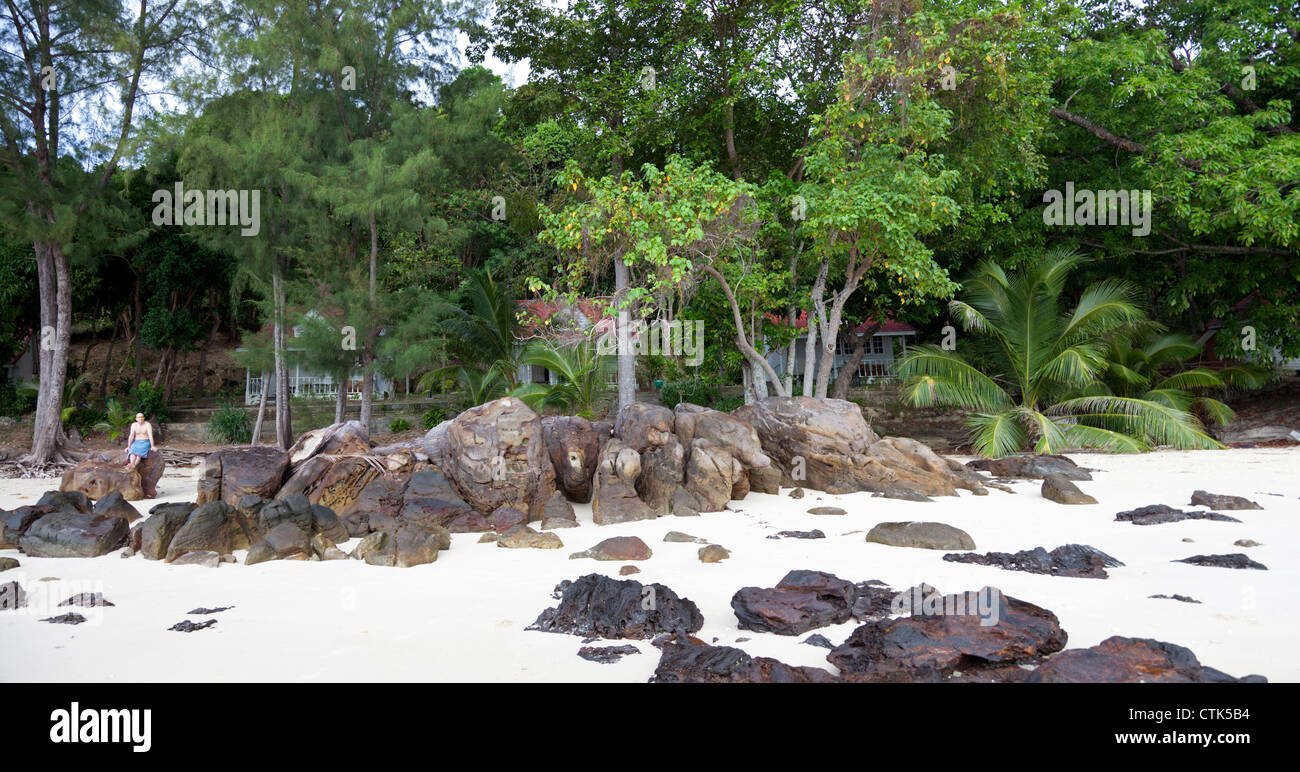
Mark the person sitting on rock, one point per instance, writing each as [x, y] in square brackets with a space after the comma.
[139, 441]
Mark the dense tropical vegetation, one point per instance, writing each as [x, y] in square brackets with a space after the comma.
[743, 164]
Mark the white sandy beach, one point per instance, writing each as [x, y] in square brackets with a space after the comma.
[463, 617]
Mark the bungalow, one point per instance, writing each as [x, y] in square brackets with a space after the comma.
[887, 344]
[560, 323]
[304, 382]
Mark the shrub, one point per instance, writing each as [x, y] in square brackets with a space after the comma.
[117, 419]
[230, 425]
[17, 402]
[695, 390]
[727, 404]
[432, 417]
[85, 419]
[149, 399]
[399, 425]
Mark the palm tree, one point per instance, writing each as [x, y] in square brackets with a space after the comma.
[482, 332]
[582, 371]
[1045, 356]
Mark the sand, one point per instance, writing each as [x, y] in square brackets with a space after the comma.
[463, 617]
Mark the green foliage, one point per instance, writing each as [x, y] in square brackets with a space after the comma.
[230, 425]
[150, 400]
[399, 425]
[727, 404]
[17, 402]
[1047, 354]
[432, 417]
[117, 418]
[582, 374]
[696, 391]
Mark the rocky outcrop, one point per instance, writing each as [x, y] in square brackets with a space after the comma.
[1030, 466]
[615, 499]
[801, 601]
[573, 445]
[494, 455]
[600, 607]
[162, 524]
[115, 504]
[1075, 560]
[103, 473]
[688, 660]
[1157, 514]
[210, 527]
[1130, 660]
[663, 470]
[825, 444]
[1234, 560]
[73, 534]
[694, 422]
[616, 548]
[231, 473]
[713, 475]
[641, 426]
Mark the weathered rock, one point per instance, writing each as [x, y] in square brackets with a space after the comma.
[66, 534]
[690, 660]
[377, 549]
[7, 563]
[1156, 514]
[415, 544]
[797, 493]
[573, 446]
[210, 527]
[830, 443]
[18, 521]
[685, 504]
[1076, 560]
[381, 498]
[66, 619]
[694, 422]
[712, 474]
[494, 455]
[1246, 543]
[187, 626]
[876, 600]
[430, 498]
[162, 524]
[679, 537]
[68, 501]
[901, 493]
[765, 480]
[326, 523]
[607, 654]
[470, 522]
[506, 518]
[205, 558]
[615, 499]
[826, 511]
[523, 537]
[1181, 598]
[1062, 491]
[617, 548]
[116, 505]
[233, 472]
[344, 437]
[713, 553]
[551, 523]
[628, 570]
[601, 607]
[12, 596]
[1234, 560]
[103, 473]
[285, 541]
[1130, 660]
[801, 601]
[1030, 466]
[294, 508]
[921, 535]
[1222, 501]
[558, 508]
[931, 647]
[642, 426]
[663, 471]
[813, 534]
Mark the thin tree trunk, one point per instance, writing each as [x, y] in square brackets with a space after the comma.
[810, 346]
[203, 355]
[138, 339]
[626, 360]
[341, 400]
[849, 371]
[283, 419]
[368, 356]
[261, 409]
[741, 341]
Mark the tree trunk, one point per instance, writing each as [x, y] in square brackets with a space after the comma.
[810, 346]
[847, 373]
[626, 360]
[138, 339]
[283, 419]
[55, 335]
[261, 409]
[741, 342]
[368, 356]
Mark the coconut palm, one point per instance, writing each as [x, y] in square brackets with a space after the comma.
[583, 374]
[1044, 356]
[482, 332]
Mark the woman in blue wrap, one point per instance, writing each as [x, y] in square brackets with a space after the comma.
[139, 441]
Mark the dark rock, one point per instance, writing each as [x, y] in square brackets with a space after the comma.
[1128, 660]
[1156, 514]
[921, 535]
[1030, 466]
[471, 522]
[18, 521]
[598, 606]
[801, 601]
[551, 523]
[326, 523]
[690, 660]
[66, 619]
[86, 600]
[430, 498]
[931, 647]
[901, 493]
[285, 541]
[73, 535]
[117, 506]
[415, 544]
[68, 501]
[7, 564]
[607, 654]
[684, 504]
[813, 534]
[188, 627]
[505, 518]
[377, 549]
[663, 472]
[558, 508]
[617, 548]
[206, 611]
[817, 639]
[209, 528]
[573, 446]
[1221, 501]
[1076, 560]
[1183, 598]
[1061, 490]
[1234, 560]
[875, 601]
[382, 500]
[231, 473]
[162, 524]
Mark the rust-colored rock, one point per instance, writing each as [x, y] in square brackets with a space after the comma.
[615, 499]
[494, 455]
[573, 446]
[1130, 660]
[103, 473]
[641, 426]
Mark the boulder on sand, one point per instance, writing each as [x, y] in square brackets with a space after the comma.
[801, 601]
[231, 473]
[100, 474]
[930, 536]
[1130, 660]
[1030, 466]
[615, 499]
[1063, 491]
[573, 444]
[600, 607]
[72, 534]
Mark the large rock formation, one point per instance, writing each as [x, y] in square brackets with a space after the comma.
[1131, 660]
[231, 473]
[826, 444]
[615, 499]
[103, 473]
[688, 660]
[495, 456]
[573, 444]
[801, 601]
[641, 426]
